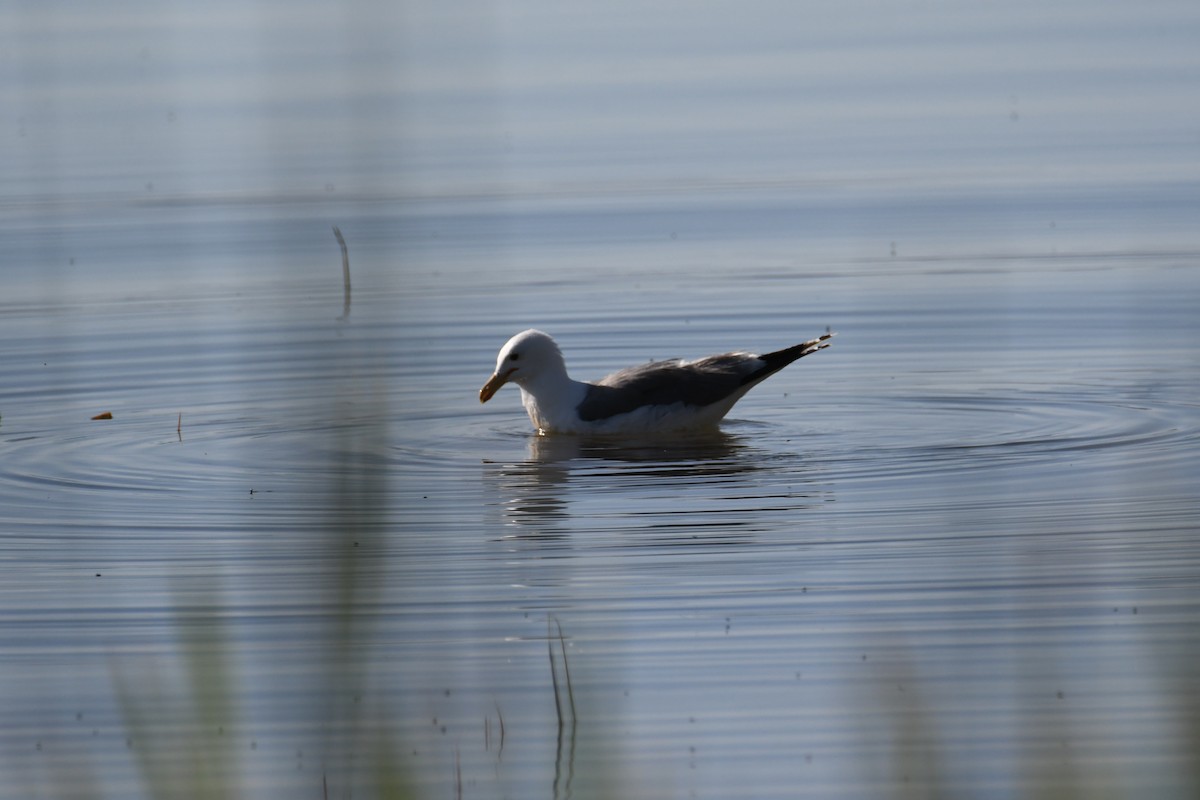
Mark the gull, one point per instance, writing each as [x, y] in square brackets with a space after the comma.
[661, 396]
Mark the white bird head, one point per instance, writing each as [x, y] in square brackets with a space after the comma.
[522, 360]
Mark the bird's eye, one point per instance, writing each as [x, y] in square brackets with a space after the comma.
[513, 356]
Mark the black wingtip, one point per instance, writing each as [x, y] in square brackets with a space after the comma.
[781, 358]
[789, 354]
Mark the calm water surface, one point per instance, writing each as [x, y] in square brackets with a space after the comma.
[954, 555]
[956, 550]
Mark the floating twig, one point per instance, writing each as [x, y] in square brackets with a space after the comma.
[105, 415]
[500, 719]
[345, 272]
[554, 672]
[564, 761]
[562, 643]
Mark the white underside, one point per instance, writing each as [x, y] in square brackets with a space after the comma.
[647, 419]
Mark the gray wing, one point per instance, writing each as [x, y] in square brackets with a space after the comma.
[695, 383]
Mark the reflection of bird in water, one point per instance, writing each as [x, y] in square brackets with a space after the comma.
[535, 491]
[712, 452]
[655, 397]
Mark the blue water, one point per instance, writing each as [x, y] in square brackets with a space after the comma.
[955, 553]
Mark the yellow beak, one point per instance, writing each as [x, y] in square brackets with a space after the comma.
[495, 382]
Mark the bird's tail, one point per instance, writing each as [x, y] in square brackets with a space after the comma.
[781, 358]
